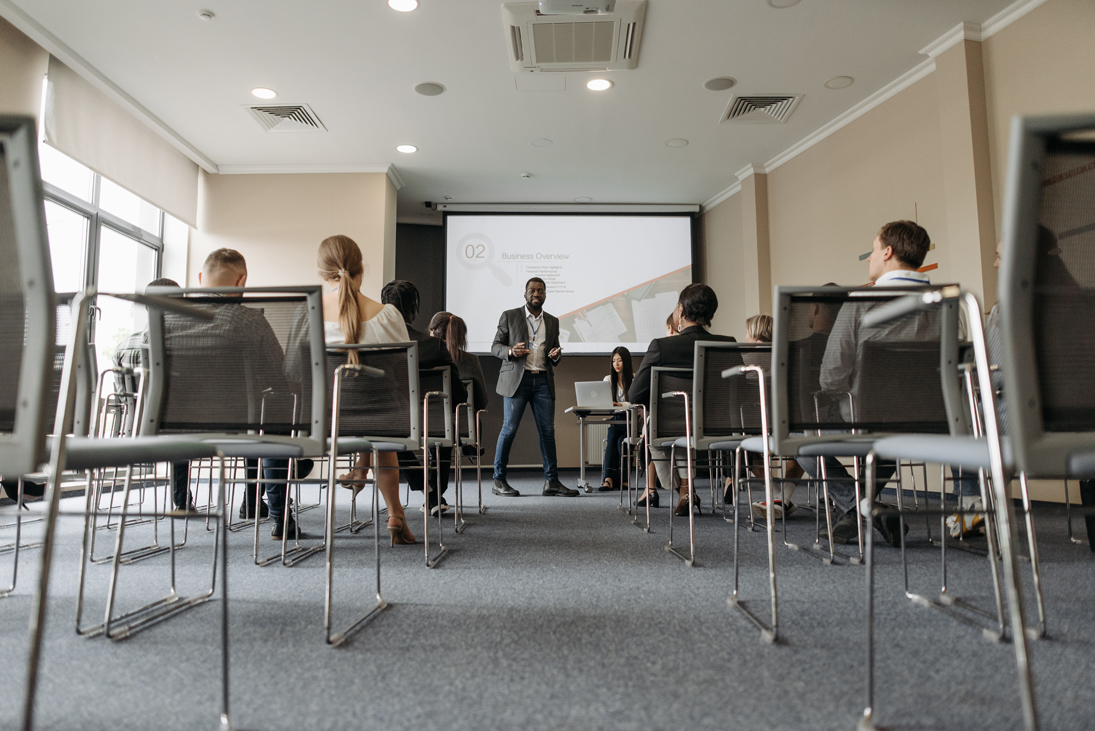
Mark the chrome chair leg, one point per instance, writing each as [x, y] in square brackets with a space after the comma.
[1032, 543]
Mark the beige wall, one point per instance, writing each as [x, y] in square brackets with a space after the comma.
[277, 222]
[23, 66]
[826, 205]
[1042, 64]
[723, 261]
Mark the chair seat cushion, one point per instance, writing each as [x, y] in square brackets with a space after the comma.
[726, 445]
[969, 453]
[756, 444]
[838, 448]
[84, 453]
[1082, 464]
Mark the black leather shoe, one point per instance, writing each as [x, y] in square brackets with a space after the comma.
[247, 512]
[554, 487]
[651, 496]
[501, 487]
[291, 529]
[890, 528]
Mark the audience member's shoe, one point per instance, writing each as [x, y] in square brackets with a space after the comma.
[760, 509]
[845, 529]
[682, 505]
[889, 526]
[247, 512]
[290, 529]
[399, 532]
[31, 490]
[607, 486]
[434, 505]
[651, 495]
[501, 487]
[961, 525]
[728, 491]
[189, 507]
[554, 487]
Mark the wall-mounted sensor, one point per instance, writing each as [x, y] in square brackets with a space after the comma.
[526, 175]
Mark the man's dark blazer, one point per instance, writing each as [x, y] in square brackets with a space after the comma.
[433, 353]
[677, 351]
[513, 329]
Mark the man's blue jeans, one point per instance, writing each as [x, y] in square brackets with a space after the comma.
[534, 390]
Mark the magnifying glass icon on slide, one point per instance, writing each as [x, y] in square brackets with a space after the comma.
[476, 251]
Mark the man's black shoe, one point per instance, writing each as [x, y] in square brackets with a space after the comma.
[247, 512]
[501, 487]
[291, 529]
[890, 528]
[554, 487]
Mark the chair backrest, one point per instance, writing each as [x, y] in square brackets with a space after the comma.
[85, 370]
[834, 375]
[27, 306]
[377, 408]
[259, 365]
[726, 407]
[1047, 292]
[438, 379]
[466, 426]
[668, 416]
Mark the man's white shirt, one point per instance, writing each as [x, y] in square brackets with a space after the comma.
[537, 358]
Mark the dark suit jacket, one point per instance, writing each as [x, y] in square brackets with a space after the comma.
[433, 353]
[513, 329]
[677, 351]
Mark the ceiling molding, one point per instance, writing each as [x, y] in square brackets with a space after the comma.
[1007, 16]
[720, 197]
[37, 33]
[393, 175]
[753, 168]
[383, 167]
[950, 39]
[568, 207]
[890, 90]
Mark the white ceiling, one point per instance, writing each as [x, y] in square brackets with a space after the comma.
[356, 63]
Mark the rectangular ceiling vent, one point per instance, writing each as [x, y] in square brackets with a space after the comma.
[286, 118]
[760, 109]
[573, 42]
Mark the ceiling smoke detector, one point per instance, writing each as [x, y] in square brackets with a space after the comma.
[286, 118]
[760, 108]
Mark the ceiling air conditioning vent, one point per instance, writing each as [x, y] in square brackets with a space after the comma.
[760, 109]
[589, 42]
[286, 118]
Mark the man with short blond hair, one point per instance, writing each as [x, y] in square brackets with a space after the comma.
[223, 268]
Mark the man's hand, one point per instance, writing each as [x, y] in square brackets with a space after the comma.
[519, 350]
[555, 353]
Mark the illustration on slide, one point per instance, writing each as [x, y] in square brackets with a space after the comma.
[636, 315]
[478, 253]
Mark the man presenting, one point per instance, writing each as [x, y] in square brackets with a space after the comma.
[528, 344]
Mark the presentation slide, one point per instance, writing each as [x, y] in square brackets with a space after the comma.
[611, 280]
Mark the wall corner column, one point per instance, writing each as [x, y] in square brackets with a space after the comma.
[756, 254]
[967, 167]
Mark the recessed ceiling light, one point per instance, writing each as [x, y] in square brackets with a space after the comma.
[263, 93]
[403, 6]
[541, 142]
[676, 142]
[430, 88]
[599, 84]
[583, 199]
[719, 83]
[407, 148]
[839, 82]
[780, 4]
[206, 15]
[448, 197]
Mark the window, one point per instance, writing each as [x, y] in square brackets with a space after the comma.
[104, 236]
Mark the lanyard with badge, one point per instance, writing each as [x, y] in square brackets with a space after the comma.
[533, 345]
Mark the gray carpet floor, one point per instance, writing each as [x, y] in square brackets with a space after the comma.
[550, 613]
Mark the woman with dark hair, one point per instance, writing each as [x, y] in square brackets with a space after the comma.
[620, 377]
[454, 332]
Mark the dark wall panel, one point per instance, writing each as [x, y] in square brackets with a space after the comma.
[420, 258]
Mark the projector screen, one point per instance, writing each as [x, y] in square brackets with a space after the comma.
[611, 280]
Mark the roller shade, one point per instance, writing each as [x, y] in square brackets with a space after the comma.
[22, 65]
[89, 127]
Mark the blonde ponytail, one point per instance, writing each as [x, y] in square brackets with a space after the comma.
[339, 258]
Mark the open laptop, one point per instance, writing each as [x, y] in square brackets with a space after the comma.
[593, 394]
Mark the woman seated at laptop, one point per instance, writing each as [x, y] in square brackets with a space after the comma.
[620, 377]
[351, 317]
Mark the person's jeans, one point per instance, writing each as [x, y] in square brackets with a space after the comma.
[842, 486]
[610, 465]
[534, 390]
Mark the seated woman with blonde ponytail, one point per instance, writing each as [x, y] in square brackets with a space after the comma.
[351, 317]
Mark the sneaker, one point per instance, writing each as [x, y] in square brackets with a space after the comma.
[760, 509]
[845, 529]
[890, 528]
[962, 525]
[291, 528]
